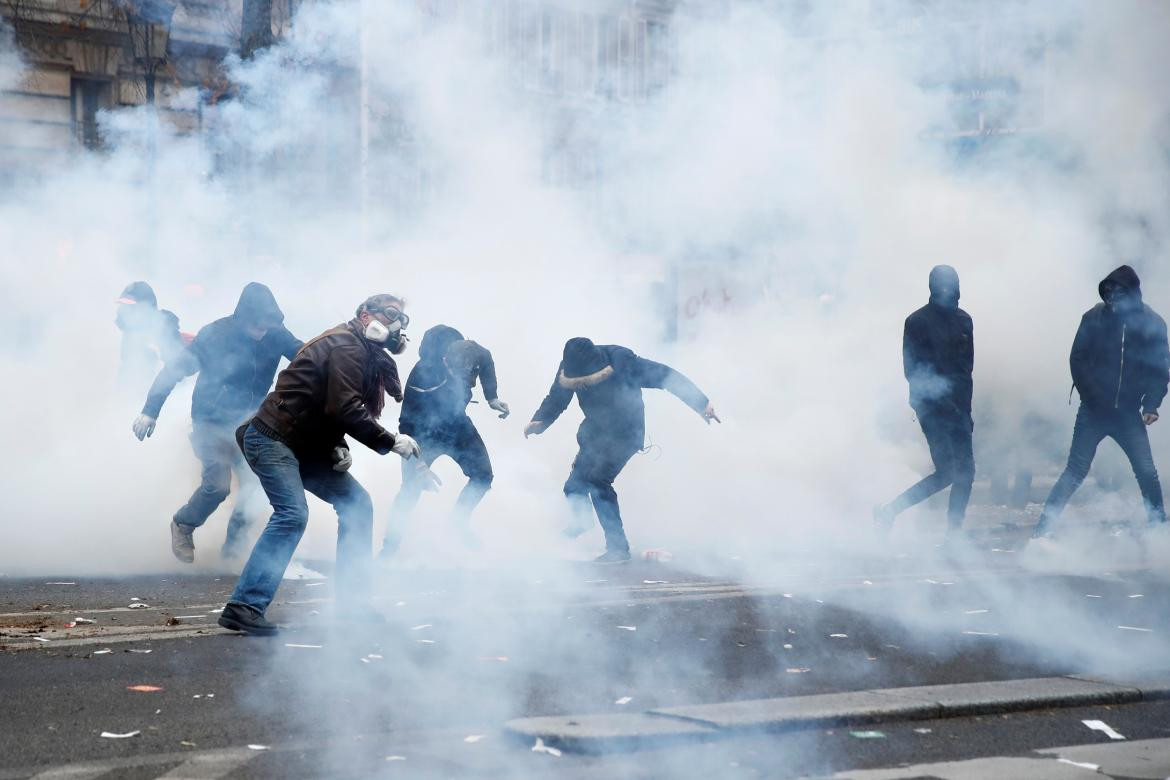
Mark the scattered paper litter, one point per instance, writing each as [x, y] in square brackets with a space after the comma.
[191, 617]
[144, 688]
[103, 651]
[400, 604]
[540, 747]
[838, 636]
[82, 621]
[798, 670]
[628, 628]
[976, 612]
[257, 747]
[655, 582]
[923, 731]
[594, 582]
[1079, 764]
[1103, 727]
[868, 734]
[364, 660]
[787, 647]
[473, 738]
[786, 595]
[425, 641]
[1092, 596]
[313, 584]
[420, 628]
[624, 700]
[60, 583]
[127, 735]
[866, 582]
[299, 571]
[503, 659]
[1135, 628]
[1137, 596]
[139, 651]
[139, 605]
[980, 633]
[40, 639]
[197, 696]
[375, 656]
[395, 758]
[185, 743]
[303, 647]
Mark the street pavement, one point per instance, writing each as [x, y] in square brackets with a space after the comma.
[463, 651]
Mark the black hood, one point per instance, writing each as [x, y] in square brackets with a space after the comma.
[944, 285]
[1124, 277]
[436, 341]
[141, 292]
[582, 358]
[257, 306]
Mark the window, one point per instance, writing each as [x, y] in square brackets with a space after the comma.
[89, 96]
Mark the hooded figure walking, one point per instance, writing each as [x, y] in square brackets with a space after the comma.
[335, 387]
[434, 413]
[1120, 365]
[938, 359]
[608, 382]
[236, 358]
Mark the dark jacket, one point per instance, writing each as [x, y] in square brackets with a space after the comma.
[148, 335]
[938, 357]
[615, 414]
[437, 392]
[1120, 358]
[334, 387]
[235, 370]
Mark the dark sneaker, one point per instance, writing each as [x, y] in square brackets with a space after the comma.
[883, 519]
[613, 556]
[182, 545]
[239, 617]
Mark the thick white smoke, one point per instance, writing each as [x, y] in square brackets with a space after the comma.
[792, 184]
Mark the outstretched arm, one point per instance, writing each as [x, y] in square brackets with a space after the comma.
[661, 376]
[551, 407]
[184, 364]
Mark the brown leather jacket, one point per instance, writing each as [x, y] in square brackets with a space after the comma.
[332, 388]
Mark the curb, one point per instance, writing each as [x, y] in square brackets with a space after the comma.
[654, 728]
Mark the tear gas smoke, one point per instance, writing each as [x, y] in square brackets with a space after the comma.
[789, 185]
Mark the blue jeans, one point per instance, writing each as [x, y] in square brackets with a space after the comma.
[1127, 429]
[215, 446]
[285, 478]
[591, 477]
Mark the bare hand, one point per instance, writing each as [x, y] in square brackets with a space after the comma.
[532, 428]
[709, 415]
[500, 407]
[1149, 418]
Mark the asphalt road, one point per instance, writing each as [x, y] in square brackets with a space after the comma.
[460, 652]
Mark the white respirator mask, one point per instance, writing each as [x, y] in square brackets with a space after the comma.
[377, 332]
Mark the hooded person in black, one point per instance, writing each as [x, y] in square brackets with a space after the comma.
[1120, 364]
[236, 358]
[608, 382]
[150, 335]
[938, 359]
[434, 413]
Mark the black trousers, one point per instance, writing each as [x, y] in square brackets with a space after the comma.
[948, 434]
[1127, 429]
[462, 443]
[591, 477]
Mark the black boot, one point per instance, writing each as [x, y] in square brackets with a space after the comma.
[240, 617]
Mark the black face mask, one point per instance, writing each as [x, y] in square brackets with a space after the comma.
[1118, 298]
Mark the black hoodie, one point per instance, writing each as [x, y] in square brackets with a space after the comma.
[938, 349]
[435, 397]
[1120, 358]
[235, 370]
[608, 381]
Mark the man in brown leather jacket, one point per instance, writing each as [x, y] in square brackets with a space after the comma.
[334, 387]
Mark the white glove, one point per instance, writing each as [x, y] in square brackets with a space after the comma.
[500, 407]
[143, 426]
[342, 459]
[406, 447]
